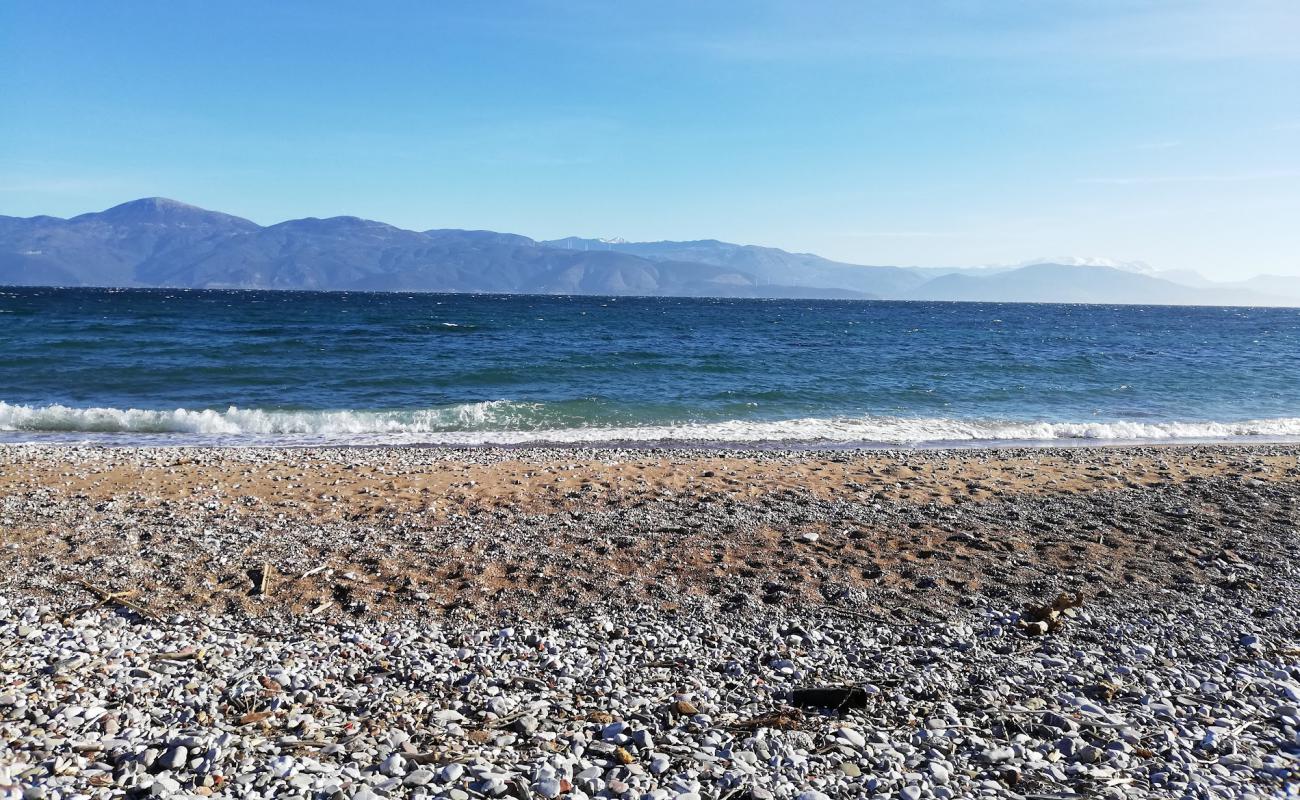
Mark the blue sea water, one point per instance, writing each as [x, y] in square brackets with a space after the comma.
[230, 367]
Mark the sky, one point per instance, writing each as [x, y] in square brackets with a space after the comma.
[908, 133]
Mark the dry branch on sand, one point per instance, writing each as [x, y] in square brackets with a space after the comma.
[1038, 620]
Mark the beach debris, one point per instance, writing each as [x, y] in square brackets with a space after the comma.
[264, 581]
[830, 697]
[1039, 620]
[107, 598]
[182, 655]
[254, 717]
[784, 720]
[685, 708]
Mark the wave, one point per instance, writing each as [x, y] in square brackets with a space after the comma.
[507, 422]
[257, 422]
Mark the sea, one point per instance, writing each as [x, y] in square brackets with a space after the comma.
[251, 368]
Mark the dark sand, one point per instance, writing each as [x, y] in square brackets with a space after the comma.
[387, 532]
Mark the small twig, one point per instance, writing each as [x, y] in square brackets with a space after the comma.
[508, 719]
[118, 598]
[303, 743]
[437, 757]
[179, 656]
[1082, 720]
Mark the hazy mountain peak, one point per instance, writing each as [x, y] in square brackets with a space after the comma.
[341, 221]
[150, 206]
[156, 210]
[1140, 267]
[487, 237]
[342, 228]
[1183, 277]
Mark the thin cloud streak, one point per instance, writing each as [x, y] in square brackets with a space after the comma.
[1166, 145]
[1206, 31]
[1157, 179]
[900, 235]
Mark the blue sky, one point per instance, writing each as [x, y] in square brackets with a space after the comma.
[922, 133]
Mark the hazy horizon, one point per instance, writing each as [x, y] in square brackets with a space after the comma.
[1069, 260]
[948, 136]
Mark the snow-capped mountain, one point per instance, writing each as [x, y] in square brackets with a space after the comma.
[1139, 267]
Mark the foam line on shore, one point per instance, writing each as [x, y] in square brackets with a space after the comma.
[506, 422]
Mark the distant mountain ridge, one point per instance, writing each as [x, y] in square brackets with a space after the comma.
[1072, 283]
[160, 242]
[768, 264]
[156, 242]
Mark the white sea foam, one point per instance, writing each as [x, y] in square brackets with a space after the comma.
[255, 422]
[505, 422]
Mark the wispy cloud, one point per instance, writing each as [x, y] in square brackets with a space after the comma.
[1186, 31]
[1241, 177]
[1165, 145]
[899, 235]
[530, 159]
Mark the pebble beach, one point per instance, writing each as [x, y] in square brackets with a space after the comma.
[649, 623]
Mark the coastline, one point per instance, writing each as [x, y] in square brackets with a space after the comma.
[116, 441]
[628, 622]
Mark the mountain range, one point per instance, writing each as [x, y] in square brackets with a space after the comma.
[155, 242]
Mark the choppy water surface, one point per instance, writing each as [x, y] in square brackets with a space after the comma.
[161, 366]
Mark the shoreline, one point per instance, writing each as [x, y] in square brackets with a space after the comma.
[812, 446]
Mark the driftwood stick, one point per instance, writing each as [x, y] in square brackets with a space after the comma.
[119, 598]
[848, 612]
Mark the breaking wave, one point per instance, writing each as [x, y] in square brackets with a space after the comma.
[507, 422]
[257, 422]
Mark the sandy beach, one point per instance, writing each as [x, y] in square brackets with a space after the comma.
[635, 623]
[538, 532]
